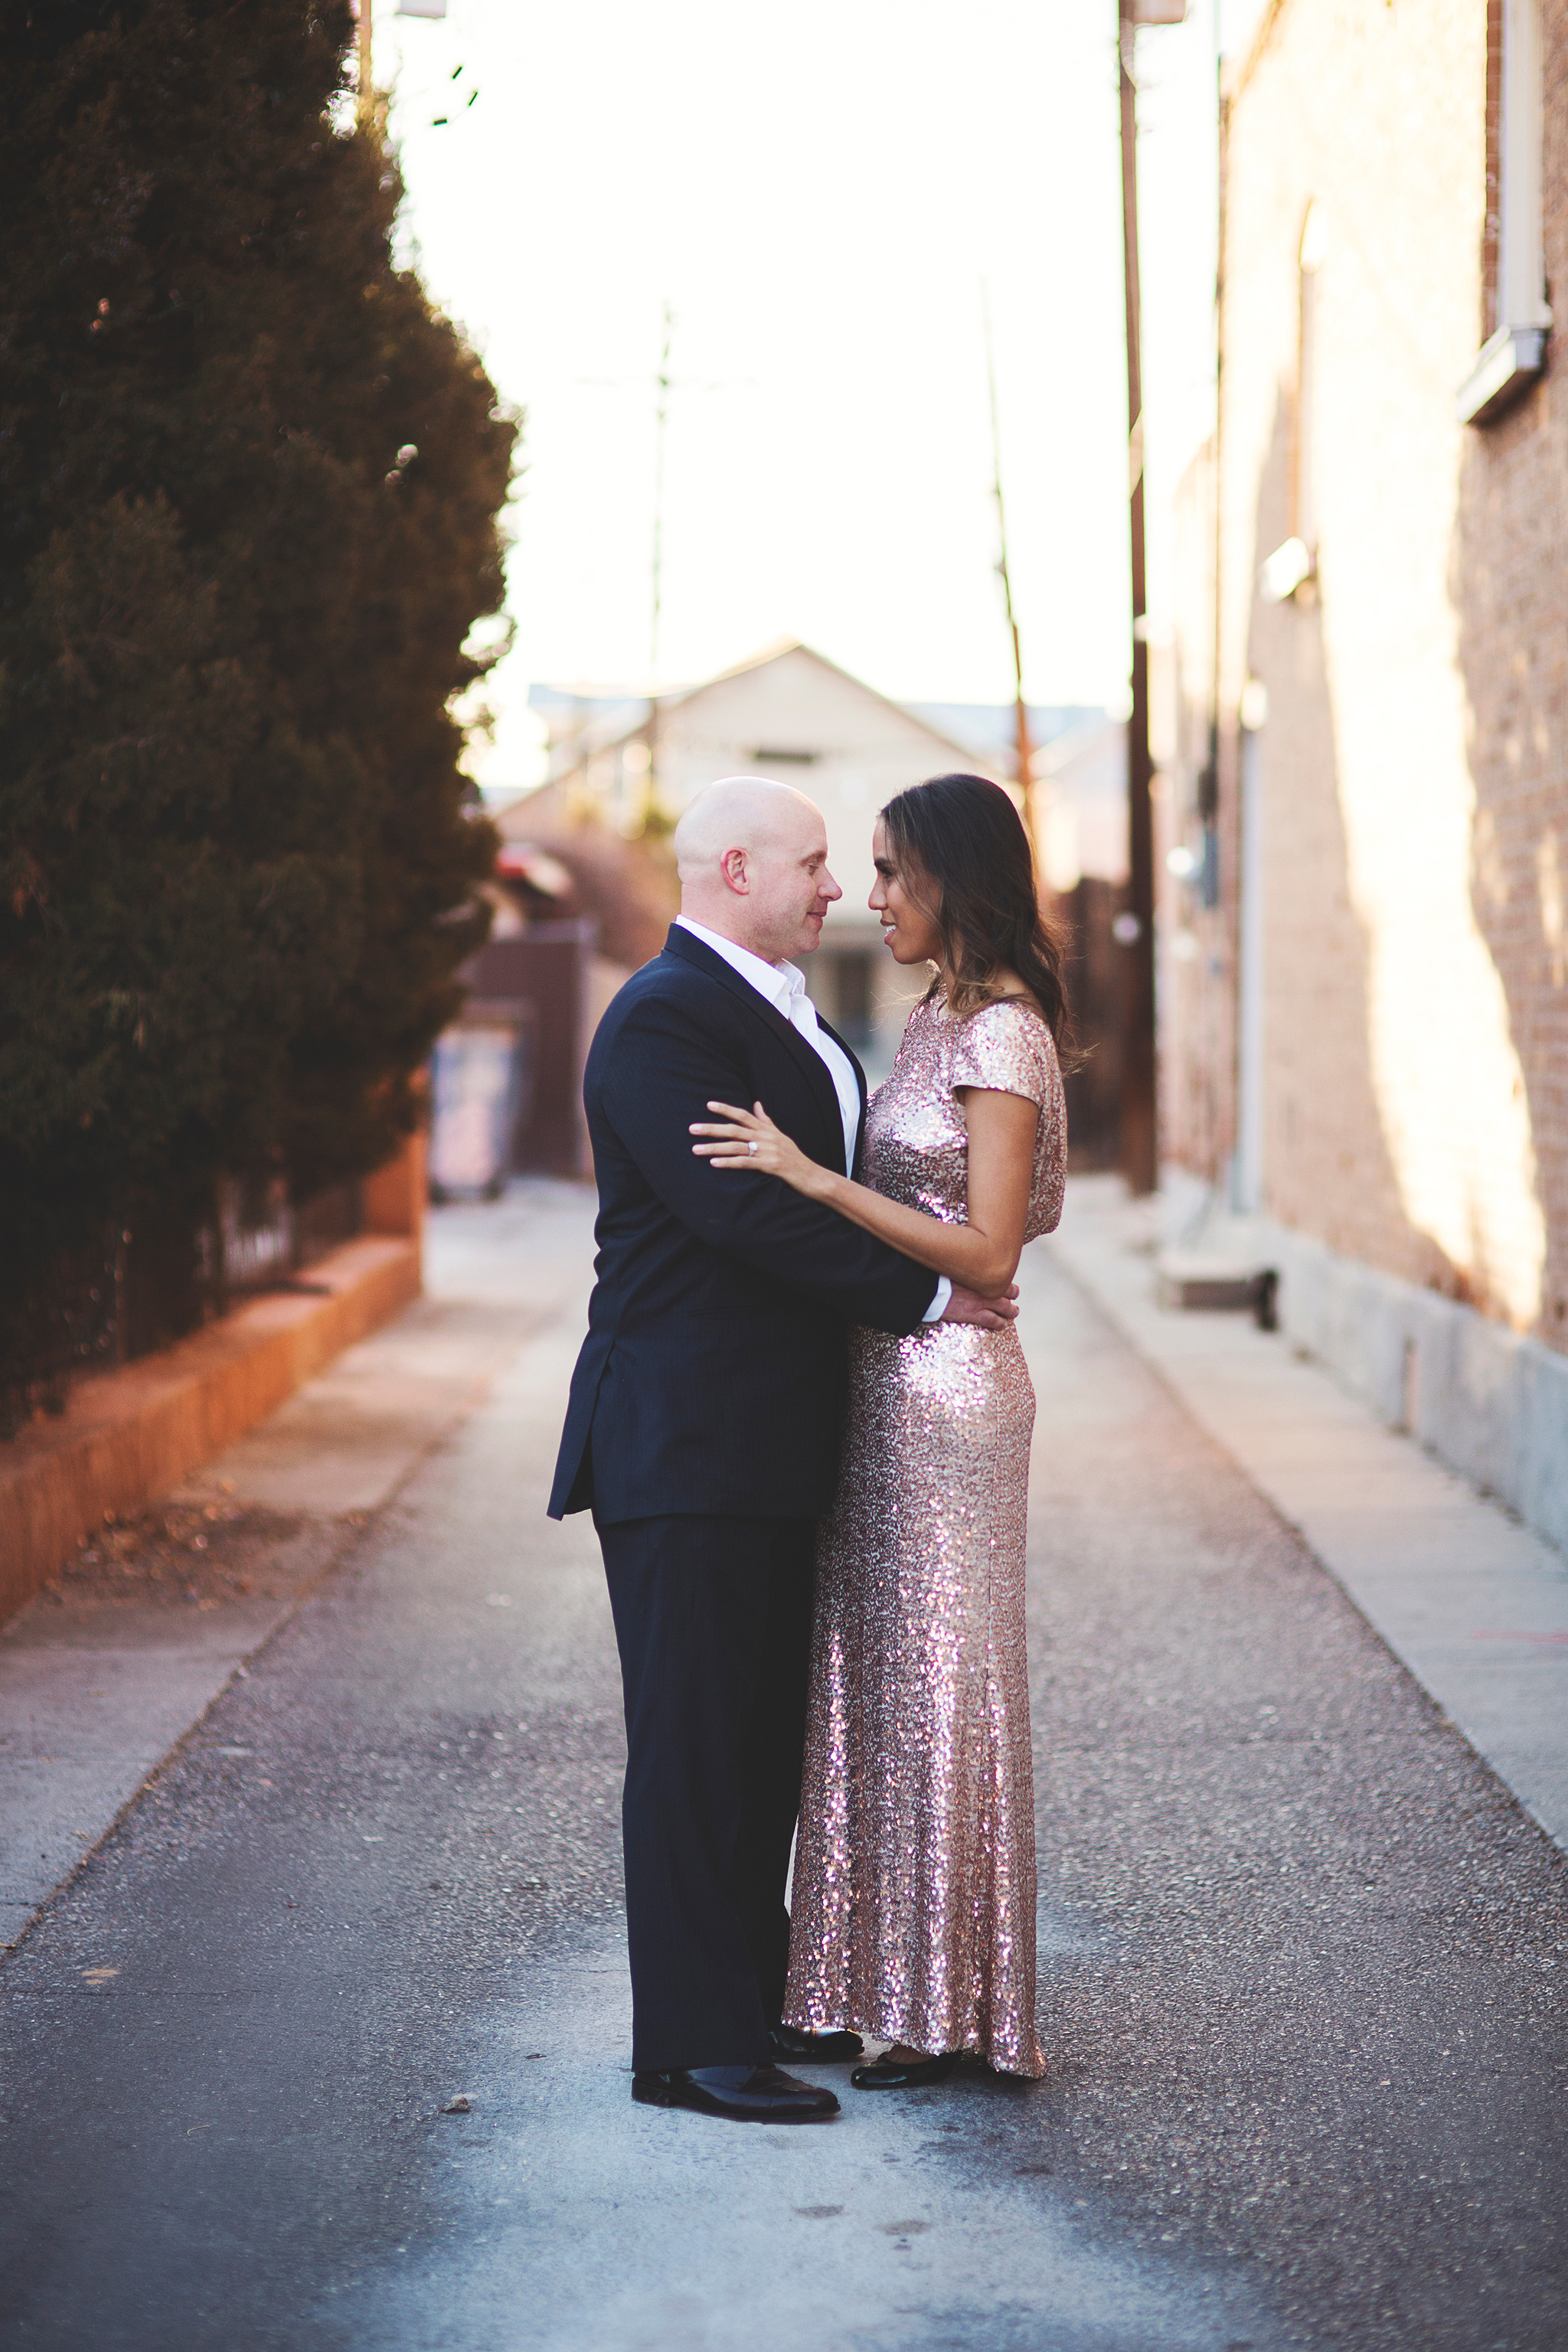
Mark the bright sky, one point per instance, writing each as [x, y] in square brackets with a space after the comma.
[818, 192]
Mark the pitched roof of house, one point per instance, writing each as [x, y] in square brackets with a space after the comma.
[780, 650]
[619, 730]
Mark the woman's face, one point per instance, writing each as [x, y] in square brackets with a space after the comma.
[909, 929]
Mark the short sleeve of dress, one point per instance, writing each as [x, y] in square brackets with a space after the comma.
[1004, 1048]
[1007, 1049]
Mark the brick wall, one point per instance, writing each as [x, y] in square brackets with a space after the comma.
[1413, 796]
[1509, 589]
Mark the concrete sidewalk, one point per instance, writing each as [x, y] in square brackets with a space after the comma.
[111, 1666]
[1473, 1602]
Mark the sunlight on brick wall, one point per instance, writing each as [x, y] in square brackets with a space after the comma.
[1414, 817]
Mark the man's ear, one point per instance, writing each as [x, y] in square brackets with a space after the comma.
[732, 866]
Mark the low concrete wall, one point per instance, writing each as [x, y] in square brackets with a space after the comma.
[1492, 1405]
[394, 1196]
[129, 1435]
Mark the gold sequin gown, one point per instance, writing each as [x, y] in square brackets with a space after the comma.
[913, 1910]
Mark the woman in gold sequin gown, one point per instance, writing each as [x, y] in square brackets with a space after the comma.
[913, 1916]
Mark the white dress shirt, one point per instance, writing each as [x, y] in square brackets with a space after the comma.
[783, 986]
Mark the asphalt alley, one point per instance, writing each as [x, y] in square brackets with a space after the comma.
[1302, 1959]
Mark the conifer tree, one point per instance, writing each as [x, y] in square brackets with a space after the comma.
[249, 491]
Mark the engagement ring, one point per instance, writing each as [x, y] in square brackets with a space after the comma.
[752, 1149]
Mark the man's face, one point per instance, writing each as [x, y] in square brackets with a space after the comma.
[789, 887]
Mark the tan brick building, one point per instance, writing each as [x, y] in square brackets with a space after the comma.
[1365, 953]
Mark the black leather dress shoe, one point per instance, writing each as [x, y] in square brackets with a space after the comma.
[813, 2049]
[746, 2095]
[893, 2074]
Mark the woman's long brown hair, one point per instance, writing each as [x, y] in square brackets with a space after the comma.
[961, 850]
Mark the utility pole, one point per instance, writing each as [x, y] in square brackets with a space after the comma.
[1020, 708]
[1140, 1141]
[366, 86]
[664, 383]
[661, 415]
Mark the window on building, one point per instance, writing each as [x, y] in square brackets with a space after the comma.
[1292, 568]
[1515, 315]
[855, 976]
[1304, 485]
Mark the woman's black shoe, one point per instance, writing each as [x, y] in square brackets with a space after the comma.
[905, 2075]
[790, 2044]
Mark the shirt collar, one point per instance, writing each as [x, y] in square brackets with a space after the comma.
[781, 984]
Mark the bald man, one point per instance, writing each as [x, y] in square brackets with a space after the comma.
[703, 1432]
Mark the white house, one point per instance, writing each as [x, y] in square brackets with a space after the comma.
[789, 714]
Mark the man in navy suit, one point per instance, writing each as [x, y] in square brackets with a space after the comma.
[703, 1430]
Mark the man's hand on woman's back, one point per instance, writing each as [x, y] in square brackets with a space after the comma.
[989, 1314]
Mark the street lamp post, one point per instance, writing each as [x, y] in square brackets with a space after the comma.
[1140, 1141]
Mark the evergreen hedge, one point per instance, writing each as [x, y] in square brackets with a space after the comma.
[250, 486]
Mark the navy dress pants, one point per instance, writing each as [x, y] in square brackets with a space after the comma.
[713, 1625]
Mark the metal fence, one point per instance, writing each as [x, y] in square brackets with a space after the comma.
[108, 1302]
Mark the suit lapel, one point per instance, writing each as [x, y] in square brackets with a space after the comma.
[812, 1066]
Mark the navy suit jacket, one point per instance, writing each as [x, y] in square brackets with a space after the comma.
[711, 1381]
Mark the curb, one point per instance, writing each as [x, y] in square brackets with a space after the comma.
[127, 1436]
